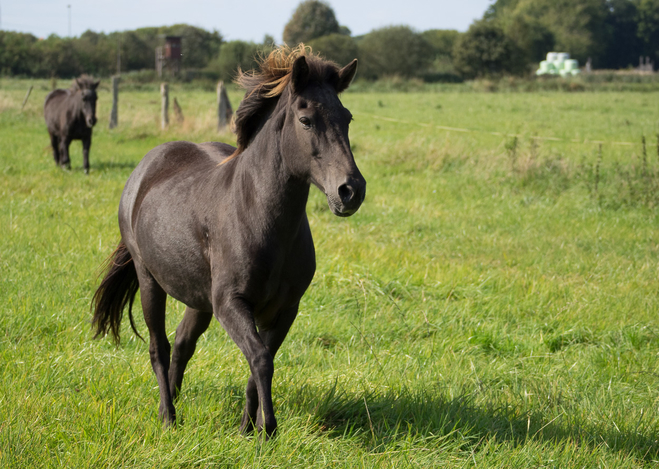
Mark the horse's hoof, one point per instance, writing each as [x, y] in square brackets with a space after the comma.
[87, 171]
[247, 426]
[268, 433]
[168, 417]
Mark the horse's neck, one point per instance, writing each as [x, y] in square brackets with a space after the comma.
[75, 102]
[279, 198]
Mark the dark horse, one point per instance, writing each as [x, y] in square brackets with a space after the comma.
[224, 230]
[71, 115]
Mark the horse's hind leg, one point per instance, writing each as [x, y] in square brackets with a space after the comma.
[54, 142]
[64, 160]
[194, 324]
[272, 339]
[154, 300]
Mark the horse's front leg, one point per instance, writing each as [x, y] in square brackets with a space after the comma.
[54, 142]
[86, 145]
[237, 318]
[64, 160]
[272, 339]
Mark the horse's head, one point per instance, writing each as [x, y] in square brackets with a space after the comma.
[87, 89]
[315, 141]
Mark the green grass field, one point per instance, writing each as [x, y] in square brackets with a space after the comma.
[492, 304]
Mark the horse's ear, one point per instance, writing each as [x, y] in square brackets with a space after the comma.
[79, 84]
[346, 74]
[95, 84]
[300, 74]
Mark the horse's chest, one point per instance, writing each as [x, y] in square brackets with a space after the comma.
[272, 278]
[282, 289]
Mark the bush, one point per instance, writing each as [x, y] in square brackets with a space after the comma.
[395, 50]
[235, 54]
[485, 51]
[442, 42]
[17, 53]
[311, 19]
[336, 47]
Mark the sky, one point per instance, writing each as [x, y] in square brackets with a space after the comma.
[248, 20]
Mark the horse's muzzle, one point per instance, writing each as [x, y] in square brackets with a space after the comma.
[91, 122]
[351, 194]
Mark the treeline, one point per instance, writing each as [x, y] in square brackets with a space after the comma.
[510, 39]
[514, 35]
[98, 53]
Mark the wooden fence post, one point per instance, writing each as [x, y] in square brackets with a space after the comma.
[164, 94]
[178, 111]
[114, 120]
[224, 111]
[27, 95]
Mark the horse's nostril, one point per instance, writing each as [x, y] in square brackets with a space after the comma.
[346, 193]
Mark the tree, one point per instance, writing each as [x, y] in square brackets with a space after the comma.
[395, 50]
[311, 19]
[576, 26]
[336, 47]
[532, 37]
[269, 41]
[17, 53]
[485, 50]
[58, 57]
[648, 26]
[198, 46]
[500, 8]
[441, 40]
[97, 54]
[138, 48]
[234, 55]
[622, 45]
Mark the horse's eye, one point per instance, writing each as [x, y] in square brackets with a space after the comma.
[306, 122]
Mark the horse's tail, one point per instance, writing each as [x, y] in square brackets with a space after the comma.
[118, 289]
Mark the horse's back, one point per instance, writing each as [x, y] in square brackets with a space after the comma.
[171, 168]
[180, 159]
[52, 105]
[54, 98]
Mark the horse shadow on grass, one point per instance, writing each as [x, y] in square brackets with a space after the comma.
[383, 418]
[110, 165]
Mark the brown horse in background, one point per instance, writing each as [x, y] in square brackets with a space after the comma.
[71, 115]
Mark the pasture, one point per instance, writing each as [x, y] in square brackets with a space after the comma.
[492, 304]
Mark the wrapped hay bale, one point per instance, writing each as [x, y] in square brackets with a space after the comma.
[546, 68]
[571, 65]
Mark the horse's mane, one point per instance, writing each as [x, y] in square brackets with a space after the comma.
[83, 82]
[266, 84]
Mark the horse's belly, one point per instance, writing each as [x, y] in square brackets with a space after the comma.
[176, 259]
[185, 283]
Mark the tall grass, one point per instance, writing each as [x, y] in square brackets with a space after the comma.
[493, 303]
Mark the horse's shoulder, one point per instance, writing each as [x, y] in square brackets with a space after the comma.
[179, 157]
[56, 94]
[218, 150]
[181, 151]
